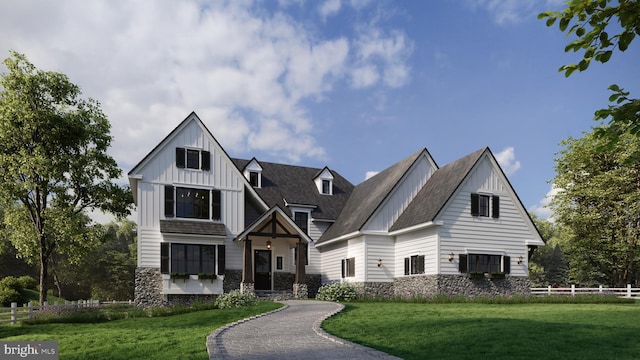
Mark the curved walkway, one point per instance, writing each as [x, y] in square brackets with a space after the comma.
[291, 332]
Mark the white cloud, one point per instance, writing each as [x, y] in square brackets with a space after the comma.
[507, 160]
[541, 209]
[369, 174]
[246, 71]
[381, 55]
[329, 7]
[508, 11]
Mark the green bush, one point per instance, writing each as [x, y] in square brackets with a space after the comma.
[12, 290]
[28, 282]
[7, 296]
[235, 299]
[337, 292]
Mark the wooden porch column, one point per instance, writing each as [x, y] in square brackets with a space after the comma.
[300, 262]
[247, 260]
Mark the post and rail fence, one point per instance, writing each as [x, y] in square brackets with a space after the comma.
[17, 313]
[625, 292]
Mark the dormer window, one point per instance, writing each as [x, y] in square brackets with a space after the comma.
[326, 187]
[253, 173]
[193, 159]
[324, 182]
[254, 178]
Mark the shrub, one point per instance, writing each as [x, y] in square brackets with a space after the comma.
[11, 290]
[28, 282]
[337, 292]
[7, 296]
[235, 299]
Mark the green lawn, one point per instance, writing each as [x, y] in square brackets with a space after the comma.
[172, 337]
[484, 331]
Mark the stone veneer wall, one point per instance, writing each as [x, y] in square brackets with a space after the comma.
[458, 285]
[283, 281]
[148, 288]
[232, 279]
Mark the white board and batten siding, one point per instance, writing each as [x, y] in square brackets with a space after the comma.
[401, 196]
[463, 233]
[160, 170]
[421, 242]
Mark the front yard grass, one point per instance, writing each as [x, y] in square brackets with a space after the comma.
[488, 331]
[171, 337]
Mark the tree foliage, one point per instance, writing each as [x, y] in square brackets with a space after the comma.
[54, 164]
[599, 203]
[548, 265]
[600, 28]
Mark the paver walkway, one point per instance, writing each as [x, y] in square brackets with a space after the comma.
[292, 332]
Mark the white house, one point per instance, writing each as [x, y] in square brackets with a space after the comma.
[208, 224]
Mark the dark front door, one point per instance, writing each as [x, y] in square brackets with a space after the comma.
[262, 266]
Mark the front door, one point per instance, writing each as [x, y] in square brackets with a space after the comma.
[262, 266]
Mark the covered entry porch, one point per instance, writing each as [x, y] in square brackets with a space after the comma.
[274, 255]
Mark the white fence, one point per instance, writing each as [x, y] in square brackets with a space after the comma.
[15, 313]
[627, 292]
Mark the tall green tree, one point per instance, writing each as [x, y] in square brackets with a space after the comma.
[54, 164]
[598, 29]
[599, 202]
[548, 265]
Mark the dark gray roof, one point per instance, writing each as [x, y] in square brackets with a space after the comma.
[192, 227]
[295, 185]
[367, 197]
[436, 192]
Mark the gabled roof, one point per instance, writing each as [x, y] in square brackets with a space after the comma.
[367, 197]
[289, 184]
[284, 224]
[134, 175]
[433, 196]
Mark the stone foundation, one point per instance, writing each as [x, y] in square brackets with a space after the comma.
[457, 285]
[283, 281]
[300, 291]
[232, 280]
[148, 291]
[190, 299]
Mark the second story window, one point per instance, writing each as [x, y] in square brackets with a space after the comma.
[326, 187]
[302, 220]
[193, 159]
[192, 203]
[485, 205]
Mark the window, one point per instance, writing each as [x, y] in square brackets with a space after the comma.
[481, 204]
[279, 262]
[348, 267]
[191, 259]
[193, 159]
[254, 179]
[302, 220]
[326, 187]
[484, 263]
[192, 203]
[414, 265]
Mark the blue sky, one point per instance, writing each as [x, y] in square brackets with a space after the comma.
[355, 85]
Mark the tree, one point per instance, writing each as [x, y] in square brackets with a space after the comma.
[54, 164]
[591, 23]
[599, 203]
[548, 265]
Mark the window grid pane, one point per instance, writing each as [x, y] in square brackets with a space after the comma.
[192, 203]
[484, 205]
[193, 159]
